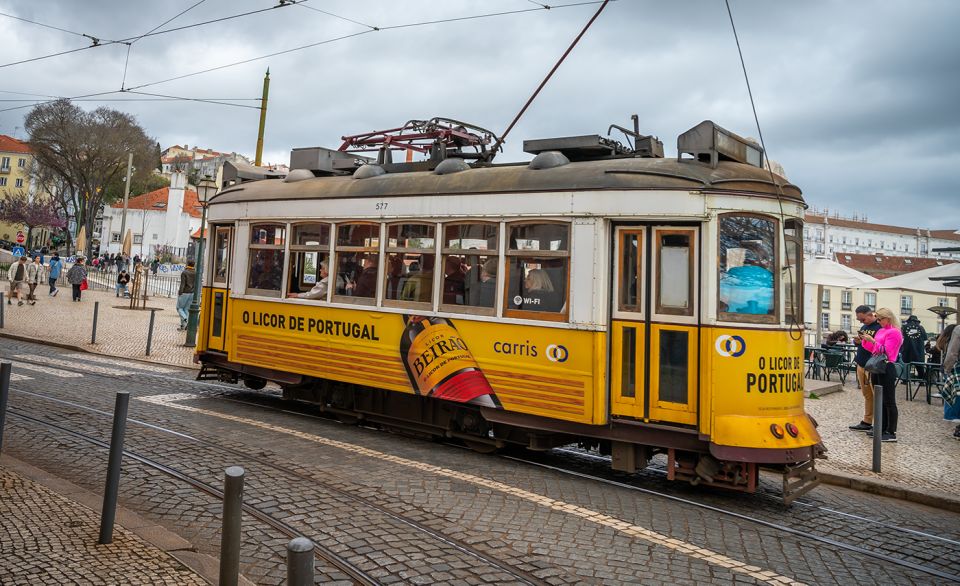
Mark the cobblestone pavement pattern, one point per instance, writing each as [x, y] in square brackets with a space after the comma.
[562, 529]
[48, 539]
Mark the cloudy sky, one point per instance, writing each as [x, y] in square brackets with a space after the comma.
[860, 102]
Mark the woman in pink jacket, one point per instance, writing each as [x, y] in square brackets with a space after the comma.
[888, 341]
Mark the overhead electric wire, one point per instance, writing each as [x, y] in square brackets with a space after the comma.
[357, 34]
[168, 21]
[203, 100]
[49, 26]
[70, 98]
[338, 16]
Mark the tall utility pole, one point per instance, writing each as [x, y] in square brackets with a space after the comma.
[263, 117]
[126, 198]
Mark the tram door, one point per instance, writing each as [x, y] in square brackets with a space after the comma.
[654, 330]
[215, 297]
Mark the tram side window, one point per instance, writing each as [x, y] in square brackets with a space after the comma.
[793, 271]
[470, 265]
[408, 274]
[309, 262]
[221, 255]
[538, 262]
[747, 267]
[266, 259]
[358, 255]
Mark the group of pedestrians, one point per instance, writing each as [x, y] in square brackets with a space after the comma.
[25, 275]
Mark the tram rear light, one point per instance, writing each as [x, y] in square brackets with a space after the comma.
[792, 430]
[776, 430]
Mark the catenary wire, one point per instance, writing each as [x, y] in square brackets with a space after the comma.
[49, 26]
[302, 5]
[168, 21]
[202, 100]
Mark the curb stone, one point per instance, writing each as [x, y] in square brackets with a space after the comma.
[891, 489]
[75, 348]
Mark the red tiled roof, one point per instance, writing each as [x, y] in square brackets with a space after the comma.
[859, 225]
[151, 201]
[8, 144]
[882, 266]
[196, 233]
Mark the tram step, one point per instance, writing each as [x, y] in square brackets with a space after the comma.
[799, 480]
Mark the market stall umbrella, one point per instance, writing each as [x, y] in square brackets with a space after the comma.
[127, 243]
[81, 241]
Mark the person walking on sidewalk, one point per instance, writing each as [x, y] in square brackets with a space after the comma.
[123, 278]
[887, 341]
[76, 277]
[17, 274]
[34, 277]
[949, 344]
[185, 293]
[870, 326]
[56, 265]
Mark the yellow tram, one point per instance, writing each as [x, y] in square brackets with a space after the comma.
[599, 294]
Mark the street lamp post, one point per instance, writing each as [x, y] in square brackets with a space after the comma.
[206, 188]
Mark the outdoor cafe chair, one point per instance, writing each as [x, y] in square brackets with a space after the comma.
[832, 362]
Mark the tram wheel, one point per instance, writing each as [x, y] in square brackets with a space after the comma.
[254, 383]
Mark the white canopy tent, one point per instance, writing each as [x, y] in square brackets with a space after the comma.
[820, 273]
[920, 280]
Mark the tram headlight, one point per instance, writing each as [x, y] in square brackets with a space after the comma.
[792, 430]
[776, 430]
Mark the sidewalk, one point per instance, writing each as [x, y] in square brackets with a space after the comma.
[923, 465]
[121, 331]
[49, 530]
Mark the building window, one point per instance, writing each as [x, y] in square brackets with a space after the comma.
[266, 259]
[18, 182]
[923, 248]
[870, 299]
[5, 164]
[825, 322]
[906, 304]
[138, 238]
[845, 322]
[538, 262]
[309, 253]
[846, 300]
[943, 302]
[358, 256]
[471, 265]
[22, 163]
[825, 299]
[409, 267]
[156, 236]
[3, 181]
[114, 237]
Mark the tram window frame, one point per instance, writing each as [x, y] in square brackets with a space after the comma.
[369, 251]
[282, 248]
[221, 261]
[512, 255]
[425, 252]
[793, 296]
[322, 251]
[472, 276]
[730, 316]
[659, 307]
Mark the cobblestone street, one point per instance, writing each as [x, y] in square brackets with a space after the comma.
[412, 511]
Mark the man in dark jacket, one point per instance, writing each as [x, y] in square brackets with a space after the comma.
[914, 337]
[185, 293]
[870, 326]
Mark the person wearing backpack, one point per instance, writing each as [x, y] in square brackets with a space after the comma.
[34, 276]
[56, 265]
[17, 274]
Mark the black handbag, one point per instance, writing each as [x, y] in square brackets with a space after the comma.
[877, 363]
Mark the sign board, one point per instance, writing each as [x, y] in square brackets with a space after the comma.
[20, 237]
[18, 251]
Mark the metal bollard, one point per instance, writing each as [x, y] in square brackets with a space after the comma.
[5, 368]
[109, 511]
[1, 309]
[153, 315]
[877, 425]
[300, 562]
[96, 311]
[230, 535]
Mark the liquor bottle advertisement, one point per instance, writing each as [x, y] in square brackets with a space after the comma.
[439, 363]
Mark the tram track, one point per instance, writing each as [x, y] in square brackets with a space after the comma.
[323, 553]
[229, 393]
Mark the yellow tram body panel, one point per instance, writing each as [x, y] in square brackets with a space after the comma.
[757, 383]
[544, 371]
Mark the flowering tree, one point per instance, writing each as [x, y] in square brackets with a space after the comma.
[18, 208]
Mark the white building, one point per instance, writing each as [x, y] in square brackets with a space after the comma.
[160, 220]
[824, 234]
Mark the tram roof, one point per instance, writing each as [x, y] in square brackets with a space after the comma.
[616, 174]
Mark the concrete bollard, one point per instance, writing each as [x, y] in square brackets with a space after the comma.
[300, 562]
[5, 368]
[96, 312]
[153, 315]
[230, 535]
[877, 425]
[109, 511]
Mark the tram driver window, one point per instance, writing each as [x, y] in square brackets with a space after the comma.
[538, 260]
[747, 268]
[409, 267]
[266, 259]
[470, 266]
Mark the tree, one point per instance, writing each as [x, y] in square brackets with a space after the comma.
[85, 152]
[38, 213]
